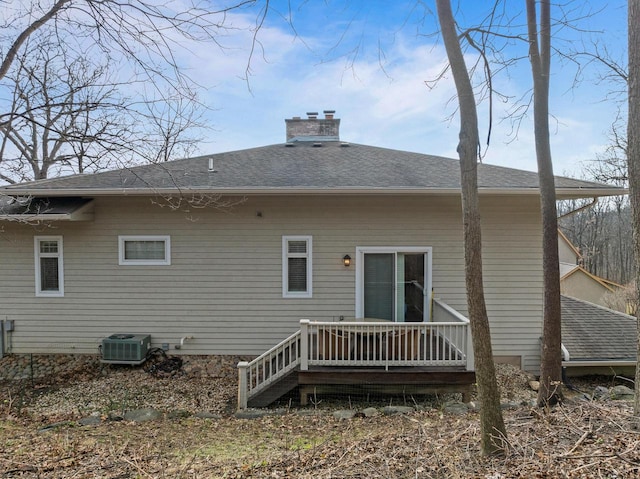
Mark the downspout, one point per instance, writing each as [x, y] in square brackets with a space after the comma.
[577, 210]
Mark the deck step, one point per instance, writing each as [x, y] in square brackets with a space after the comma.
[279, 388]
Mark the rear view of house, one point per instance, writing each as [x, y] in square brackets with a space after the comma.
[225, 254]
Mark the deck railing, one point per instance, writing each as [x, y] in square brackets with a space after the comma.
[445, 341]
[256, 375]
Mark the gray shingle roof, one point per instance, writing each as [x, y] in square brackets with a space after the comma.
[594, 333]
[302, 167]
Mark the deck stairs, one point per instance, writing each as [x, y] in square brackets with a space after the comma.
[280, 387]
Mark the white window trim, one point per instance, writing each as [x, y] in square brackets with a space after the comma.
[285, 267]
[428, 280]
[59, 255]
[144, 262]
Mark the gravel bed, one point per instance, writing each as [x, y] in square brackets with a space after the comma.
[68, 387]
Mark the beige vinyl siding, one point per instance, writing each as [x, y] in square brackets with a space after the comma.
[224, 284]
[565, 252]
[582, 286]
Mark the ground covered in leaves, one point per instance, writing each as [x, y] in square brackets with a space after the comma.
[580, 439]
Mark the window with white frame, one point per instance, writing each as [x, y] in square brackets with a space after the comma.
[49, 266]
[296, 266]
[144, 250]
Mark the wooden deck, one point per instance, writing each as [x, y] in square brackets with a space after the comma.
[379, 357]
[320, 381]
[414, 380]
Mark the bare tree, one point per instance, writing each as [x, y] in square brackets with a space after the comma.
[64, 114]
[68, 115]
[493, 436]
[100, 117]
[633, 150]
[44, 16]
[540, 57]
[601, 231]
[146, 33]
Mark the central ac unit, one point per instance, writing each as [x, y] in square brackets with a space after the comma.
[125, 348]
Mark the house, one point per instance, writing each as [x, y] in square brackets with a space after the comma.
[577, 282]
[225, 254]
[597, 340]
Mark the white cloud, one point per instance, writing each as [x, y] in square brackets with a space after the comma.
[391, 107]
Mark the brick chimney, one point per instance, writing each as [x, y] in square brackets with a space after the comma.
[313, 128]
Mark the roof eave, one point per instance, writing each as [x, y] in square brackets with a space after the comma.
[599, 362]
[81, 213]
[32, 218]
[561, 193]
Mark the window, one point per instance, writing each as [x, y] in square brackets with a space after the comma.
[49, 266]
[296, 266]
[144, 250]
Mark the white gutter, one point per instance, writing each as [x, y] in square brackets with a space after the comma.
[560, 192]
[595, 363]
[36, 217]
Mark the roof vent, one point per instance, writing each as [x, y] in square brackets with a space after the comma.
[344, 144]
[317, 145]
[289, 144]
[211, 168]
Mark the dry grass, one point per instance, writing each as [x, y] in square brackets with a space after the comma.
[580, 439]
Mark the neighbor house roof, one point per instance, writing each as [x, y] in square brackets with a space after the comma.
[327, 167]
[566, 272]
[594, 333]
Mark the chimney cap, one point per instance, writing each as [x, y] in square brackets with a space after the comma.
[328, 111]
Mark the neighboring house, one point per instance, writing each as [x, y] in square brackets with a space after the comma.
[577, 282]
[142, 251]
[597, 340]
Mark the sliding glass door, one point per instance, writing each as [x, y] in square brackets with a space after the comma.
[393, 284]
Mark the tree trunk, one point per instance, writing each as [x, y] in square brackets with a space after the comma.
[493, 432]
[633, 157]
[540, 58]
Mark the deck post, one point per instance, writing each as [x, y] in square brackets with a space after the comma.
[304, 344]
[471, 361]
[243, 366]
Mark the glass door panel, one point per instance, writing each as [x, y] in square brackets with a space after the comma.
[411, 287]
[379, 285]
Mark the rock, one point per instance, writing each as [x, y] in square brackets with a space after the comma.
[142, 415]
[600, 392]
[56, 425]
[344, 414]
[455, 407]
[394, 410]
[370, 412]
[621, 392]
[179, 414]
[251, 413]
[534, 385]
[90, 421]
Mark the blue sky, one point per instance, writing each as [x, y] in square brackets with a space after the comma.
[369, 61]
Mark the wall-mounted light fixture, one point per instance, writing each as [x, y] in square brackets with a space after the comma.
[346, 260]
